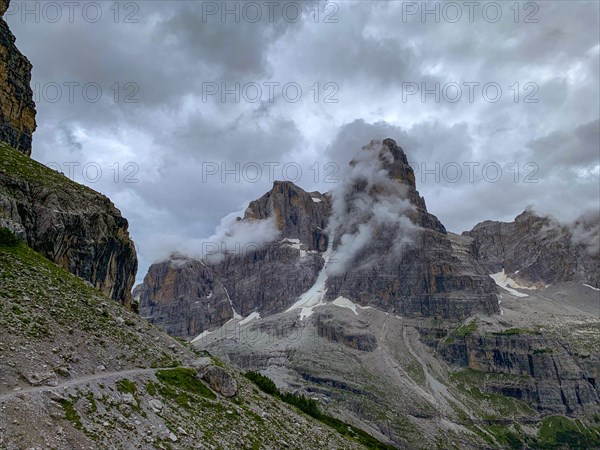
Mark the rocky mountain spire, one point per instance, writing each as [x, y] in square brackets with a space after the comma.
[298, 214]
[391, 253]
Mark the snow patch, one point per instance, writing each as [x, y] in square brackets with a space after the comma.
[343, 302]
[591, 287]
[315, 296]
[254, 315]
[316, 200]
[235, 313]
[505, 282]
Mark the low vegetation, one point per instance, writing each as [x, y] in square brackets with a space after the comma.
[185, 380]
[513, 331]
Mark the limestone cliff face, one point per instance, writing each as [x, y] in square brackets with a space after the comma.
[410, 265]
[72, 225]
[17, 109]
[186, 296]
[535, 368]
[538, 250]
[298, 214]
[76, 227]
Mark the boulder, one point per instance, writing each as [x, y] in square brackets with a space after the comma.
[219, 380]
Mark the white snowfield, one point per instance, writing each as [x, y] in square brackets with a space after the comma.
[315, 296]
[316, 200]
[343, 302]
[507, 283]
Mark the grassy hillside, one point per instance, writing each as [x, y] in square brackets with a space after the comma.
[77, 370]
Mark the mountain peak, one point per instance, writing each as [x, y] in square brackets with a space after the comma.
[298, 214]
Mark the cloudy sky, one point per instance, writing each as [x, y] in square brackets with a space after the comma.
[496, 106]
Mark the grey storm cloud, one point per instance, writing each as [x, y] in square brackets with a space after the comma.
[363, 63]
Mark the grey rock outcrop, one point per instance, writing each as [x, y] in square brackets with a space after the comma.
[183, 297]
[537, 250]
[17, 109]
[219, 380]
[298, 214]
[536, 369]
[336, 329]
[270, 279]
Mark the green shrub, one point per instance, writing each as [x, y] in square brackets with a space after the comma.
[8, 239]
[70, 413]
[126, 386]
[558, 432]
[466, 329]
[264, 383]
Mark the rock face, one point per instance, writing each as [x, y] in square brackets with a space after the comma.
[76, 227]
[298, 214]
[17, 109]
[183, 297]
[408, 263]
[186, 296]
[533, 368]
[72, 225]
[537, 250]
[337, 330]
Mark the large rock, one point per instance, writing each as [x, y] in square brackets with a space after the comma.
[298, 214]
[72, 225]
[270, 279]
[336, 329]
[219, 380]
[537, 250]
[17, 109]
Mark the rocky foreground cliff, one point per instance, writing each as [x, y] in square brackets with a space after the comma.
[17, 109]
[72, 225]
